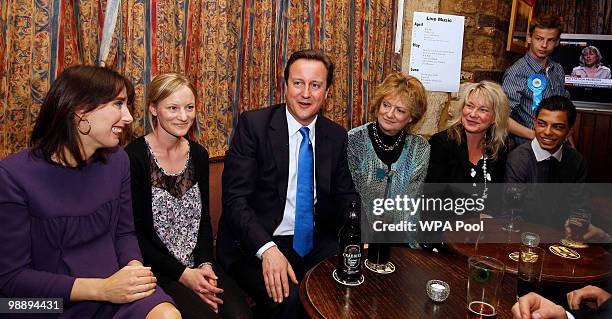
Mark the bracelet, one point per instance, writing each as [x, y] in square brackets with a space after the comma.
[204, 264]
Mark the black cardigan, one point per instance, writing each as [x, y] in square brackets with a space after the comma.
[154, 252]
[450, 163]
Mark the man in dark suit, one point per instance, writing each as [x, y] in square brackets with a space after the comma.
[286, 185]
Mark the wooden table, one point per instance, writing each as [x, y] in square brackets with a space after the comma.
[397, 295]
[594, 264]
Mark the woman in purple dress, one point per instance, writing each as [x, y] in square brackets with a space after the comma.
[66, 224]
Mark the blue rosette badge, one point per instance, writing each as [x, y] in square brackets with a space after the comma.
[536, 84]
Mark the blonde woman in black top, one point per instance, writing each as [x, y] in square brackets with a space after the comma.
[170, 202]
[473, 149]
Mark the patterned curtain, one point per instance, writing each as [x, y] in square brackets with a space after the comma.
[579, 16]
[39, 38]
[233, 51]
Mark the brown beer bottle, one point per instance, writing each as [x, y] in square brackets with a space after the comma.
[350, 248]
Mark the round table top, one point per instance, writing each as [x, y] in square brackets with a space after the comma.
[397, 295]
[594, 264]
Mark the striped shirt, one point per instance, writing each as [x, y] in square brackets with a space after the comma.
[519, 95]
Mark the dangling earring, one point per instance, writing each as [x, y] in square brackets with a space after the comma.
[83, 120]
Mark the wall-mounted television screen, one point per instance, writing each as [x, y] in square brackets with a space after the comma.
[586, 60]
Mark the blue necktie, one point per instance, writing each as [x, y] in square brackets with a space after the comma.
[304, 199]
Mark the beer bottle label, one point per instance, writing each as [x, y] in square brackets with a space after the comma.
[352, 258]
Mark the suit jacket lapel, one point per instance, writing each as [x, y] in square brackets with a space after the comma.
[322, 158]
[279, 145]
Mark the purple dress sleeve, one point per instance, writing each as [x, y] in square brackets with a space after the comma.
[17, 278]
[126, 243]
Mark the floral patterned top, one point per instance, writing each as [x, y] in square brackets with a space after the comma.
[176, 208]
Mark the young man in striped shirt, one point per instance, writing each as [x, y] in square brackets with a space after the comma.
[534, 77]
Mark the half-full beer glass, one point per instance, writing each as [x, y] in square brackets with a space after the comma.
[531, 260]
[578, 222]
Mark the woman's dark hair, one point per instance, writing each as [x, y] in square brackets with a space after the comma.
[78, 88]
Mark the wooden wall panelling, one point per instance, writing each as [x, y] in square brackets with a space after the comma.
[593, 137]
[600, 170]
[576, 131]
[585, 143]
[214, 182]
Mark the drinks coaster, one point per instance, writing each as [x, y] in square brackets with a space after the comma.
[348, 283]
[572, 244]
[514, 255]
[564, 252]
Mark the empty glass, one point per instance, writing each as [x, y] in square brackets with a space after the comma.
[484, 286]
[513, 200]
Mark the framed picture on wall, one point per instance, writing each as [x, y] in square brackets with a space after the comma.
[520, 18]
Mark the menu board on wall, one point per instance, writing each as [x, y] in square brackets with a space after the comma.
[435, 56]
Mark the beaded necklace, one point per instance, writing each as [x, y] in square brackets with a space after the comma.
[486, 176]
[382, 145]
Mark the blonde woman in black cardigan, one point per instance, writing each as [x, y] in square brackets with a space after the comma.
[169, 175]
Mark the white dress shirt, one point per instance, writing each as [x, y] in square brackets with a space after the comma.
[286, 226]
[542, 154]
